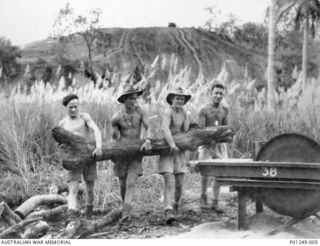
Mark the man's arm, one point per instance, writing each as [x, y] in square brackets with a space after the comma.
[166, 130]
[115, 128]
[186, 123]
[225, 120]
[61, 122]
[145, 122]
[202, 117]
[97, 133]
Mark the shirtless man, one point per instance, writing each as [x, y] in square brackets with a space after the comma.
[80, 124]
[126, 125]
[212, 114]
[173, 165]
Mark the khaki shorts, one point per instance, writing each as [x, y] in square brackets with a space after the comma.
[88, 172]
[172, 163]
[218, 152]
[128, 164]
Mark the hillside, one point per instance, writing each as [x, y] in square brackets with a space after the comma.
[202, 51]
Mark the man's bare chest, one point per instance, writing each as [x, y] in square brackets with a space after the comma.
[77, 127]
[130, 121]
[215, 116]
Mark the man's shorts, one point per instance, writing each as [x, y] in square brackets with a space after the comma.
[88, 172]
[219, 151]
[128, 164]
[171, 163]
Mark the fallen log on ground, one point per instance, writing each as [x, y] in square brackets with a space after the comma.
[76, 151]
[49, 213]
[32, 203]
[36, 231]
[17, 231]
[8, 215]
[83, 228]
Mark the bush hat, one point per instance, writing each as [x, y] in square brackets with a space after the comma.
[127, 92]
[178, 92]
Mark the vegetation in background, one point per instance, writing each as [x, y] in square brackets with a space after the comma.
[28, 152]
[9, 66]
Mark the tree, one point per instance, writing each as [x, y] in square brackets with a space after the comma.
[306, 14]
[67, 25]
[271, 99]
[8, 59]
[252, 35]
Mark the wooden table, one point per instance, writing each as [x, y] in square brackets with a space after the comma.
[249, 177]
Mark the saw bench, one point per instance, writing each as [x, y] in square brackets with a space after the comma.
[284, 175]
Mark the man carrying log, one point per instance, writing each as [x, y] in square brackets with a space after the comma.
[80, 124]
[173, 165]
[213, 114]
[126, 125]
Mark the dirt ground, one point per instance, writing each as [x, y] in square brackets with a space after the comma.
[194, 223]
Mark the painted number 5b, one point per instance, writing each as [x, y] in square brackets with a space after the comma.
[269, 171]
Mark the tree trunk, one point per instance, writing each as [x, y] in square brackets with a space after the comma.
[271, 99]
[76, 151]
[28, 206]
[305, 51]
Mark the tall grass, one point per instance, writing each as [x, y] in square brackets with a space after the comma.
[28, 152]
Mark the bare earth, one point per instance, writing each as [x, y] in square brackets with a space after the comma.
[193, 223]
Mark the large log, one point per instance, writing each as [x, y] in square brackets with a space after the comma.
[75, 150]
[32, 203]
[82, 228]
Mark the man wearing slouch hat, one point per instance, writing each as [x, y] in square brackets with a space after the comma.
[126, 125]
[172, 165]
[80, 123]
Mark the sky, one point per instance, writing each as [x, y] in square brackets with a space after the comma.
[25, 21]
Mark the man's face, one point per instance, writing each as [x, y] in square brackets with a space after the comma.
[131, 100]
[178, 101]
[73, 108]
[217, 95]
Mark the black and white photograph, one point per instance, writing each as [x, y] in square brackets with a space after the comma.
[158, 119]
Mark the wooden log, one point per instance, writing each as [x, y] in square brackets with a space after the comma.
[83, 228]
[37, 230]
[108, 219]
[48, 213]
[76, 151]
[28, 206]
[11, 217]
[16, 231]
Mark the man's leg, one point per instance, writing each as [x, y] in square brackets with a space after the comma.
[127, 193]
[204, 154]
[72, 200]
[130, 187]
[123, 187]
[216, 194]
[204, 187]
[72, 197]
[168, 197]
[89, 199]
[178, 191]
